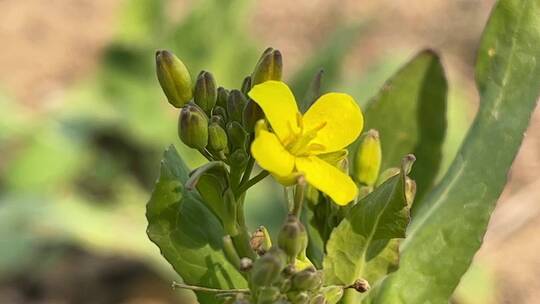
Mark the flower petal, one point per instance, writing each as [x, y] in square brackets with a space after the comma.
[271, 155]
[343, 117]
[328, 179]
[278, 104]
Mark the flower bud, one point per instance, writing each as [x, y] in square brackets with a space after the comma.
[246, 85]
[360, 285]
[298, 297]
[222, 97]
[205, 93]
[292, 238]
[237, 135]
[387, 174]
[239, 160]
[217, 137]
[267, 295]
[269, 67]
[410, 190]
[332, 294]
[318, 299]
[363, 191]
[368, 159]
[174, 78]
[252, 114]
[193, 127]
[222, 113]
[235, 105]
[267, 269]
[307, 279]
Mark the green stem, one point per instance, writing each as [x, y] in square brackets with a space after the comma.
[244, 187]
[247, 172]
[206, 289]
[206, 154]
[298, 198]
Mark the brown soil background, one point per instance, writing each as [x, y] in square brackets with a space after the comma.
[46, 46]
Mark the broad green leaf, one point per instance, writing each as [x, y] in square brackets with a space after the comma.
[447, 231]
[410, 114]
[365, 244]
[188, 235]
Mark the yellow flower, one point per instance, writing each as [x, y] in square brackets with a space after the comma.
[299, 143]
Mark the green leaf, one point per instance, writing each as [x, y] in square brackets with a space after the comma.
[410, 114]
[365, 244]
[188, 235]
[448, 230]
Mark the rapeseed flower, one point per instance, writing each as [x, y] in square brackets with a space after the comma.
[300, 144]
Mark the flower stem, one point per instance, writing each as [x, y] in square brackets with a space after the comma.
[206, 289]
[299, 198]
[257, 178]
[247, 172]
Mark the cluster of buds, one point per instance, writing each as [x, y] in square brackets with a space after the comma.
[213, 120]
[219, 123]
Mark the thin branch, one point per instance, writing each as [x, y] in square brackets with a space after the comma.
[207, 289]
[257, 178]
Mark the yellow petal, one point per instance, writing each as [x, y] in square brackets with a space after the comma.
[270, 154]
[279, 106]
[327, 178]
[343, 117]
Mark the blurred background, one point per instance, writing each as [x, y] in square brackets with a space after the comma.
[83, 124]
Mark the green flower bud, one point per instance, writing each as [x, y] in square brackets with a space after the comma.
[266, 270]
[174, 78]
[332, 294]
[269, 67]
[292, 238]
[237, 135]
[235, 105]
[205, 93]
[318, 299]
[298, 297]
[222, 113]
[307, 279]
[252, 114]
[239, 160]
[222, 97]
[193, 127]
[267, 295]
[363, 191]
[217, 137]
[387, 174]
[313, 92]
[246, 85]
[368, 159]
